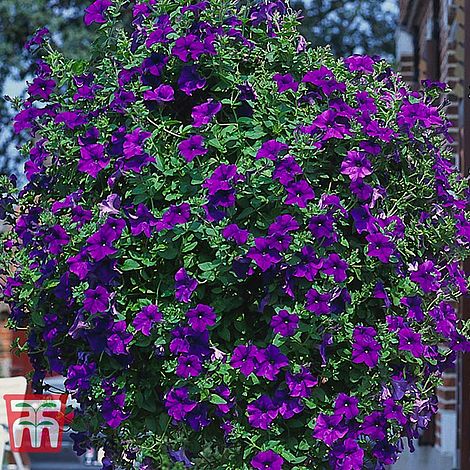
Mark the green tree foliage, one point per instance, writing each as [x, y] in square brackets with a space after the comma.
[19, 19]
[350, 26]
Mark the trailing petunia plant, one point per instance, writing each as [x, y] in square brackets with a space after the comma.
[241, 252]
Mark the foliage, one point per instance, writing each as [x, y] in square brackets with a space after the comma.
[19, 19]
[350, 26]
[240, 250]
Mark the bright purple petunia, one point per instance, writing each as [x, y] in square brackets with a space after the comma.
[271, 361]
[318, 303]
[267, 460]
[192, 147]
[336, 267]
[346, 406]
[409, 340]
[347, 455]
[184, 285]
[414, 307]
[175, 215]
[360, 63]
[286, 170]
[271, 149]
[245, 358]
[190, 81]
[178, 403]
[71, 119]
[42, 88]
[201, 317]
[188, 366]
[324, 79]
[112, 410]
[380, 247]
[96, 300]
[285, 323]
[146, 318]
[100, 244]
[161, 94]
[374, 426]
[188, 47]
[119, 339]
[235, 233]
[329, 428]
[300, 384]
[263, 254]
[262, 412]
[92, 159]
[202, 114]
[365, 350]
[285, 82]
[95, 12]
[299, 193]
[426, 276]
[356, 165]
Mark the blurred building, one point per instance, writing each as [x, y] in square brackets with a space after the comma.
[432, 43]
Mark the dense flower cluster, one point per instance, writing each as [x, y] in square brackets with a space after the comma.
[241, 252]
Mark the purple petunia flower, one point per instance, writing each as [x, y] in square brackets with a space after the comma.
[271, 149]
[55, 239]
[112, 410]
[393, 410]
[188, 47]
[318, 303]
[262, 412]
[146, 318]
[178, 403]
[71, 119]
[79, 376]
[178, 456]
[142, 221]
[374, 426]
[184, 285]
[95, 12]
[119, 339]
[202, 114]
[190, 81]
[380, 247]
[360, 63]
[96, 300]
[410, 341]
[188, 366]
[235, 233]
[42, 88]
[285, 82]
[426, 276]
[299, 385]
[347, 455]
[356, 165]
[162, 29]
[100, 244]
[286, 170]
[175, 215]
[285, 323]
[92, 159]
[329, 428]
[365, 348]
[263, 254]
[346, 406]
[414, 307]
[161, 94]
[271, 361]
[325, 80]
[245, 358]
[299, 193]
[336, 267]
[192, 147]
[267, 460]
[201, 317]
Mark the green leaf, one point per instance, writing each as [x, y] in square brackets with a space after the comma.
[130, 265]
